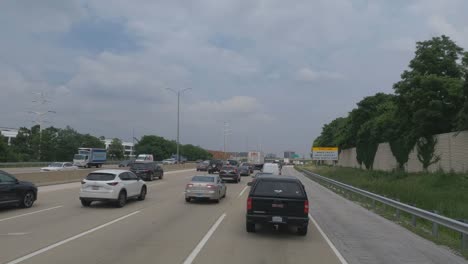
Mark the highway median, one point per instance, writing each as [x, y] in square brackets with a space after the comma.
[59, 177]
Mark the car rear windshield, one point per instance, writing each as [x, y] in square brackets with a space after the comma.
[203, 179]
[100, 177]
[227, 168]
[141, 166]
[277, 188]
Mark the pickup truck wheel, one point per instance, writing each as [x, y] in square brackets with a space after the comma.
[151, 178]
[250, 227]
[302, 231]
[187, 199]
[161, 176]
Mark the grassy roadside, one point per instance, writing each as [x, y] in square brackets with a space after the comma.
[446, 193]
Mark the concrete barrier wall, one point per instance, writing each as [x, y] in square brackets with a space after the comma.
[58, 177]
[452, 148]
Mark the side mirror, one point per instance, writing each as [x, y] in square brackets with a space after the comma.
[249, 183]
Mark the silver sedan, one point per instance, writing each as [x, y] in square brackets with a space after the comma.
[205, 187]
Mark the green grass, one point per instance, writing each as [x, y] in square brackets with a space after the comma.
[446, 193]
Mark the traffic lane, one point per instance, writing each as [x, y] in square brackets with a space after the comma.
[42, 229]
[231, 243]
[165, 232]
[364, 237]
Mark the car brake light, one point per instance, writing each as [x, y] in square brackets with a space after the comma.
[112, 183]
[189, 185]
[210, 186]
[306, 207]
[249, 203]
[83, 182]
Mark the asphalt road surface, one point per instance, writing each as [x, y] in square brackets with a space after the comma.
[166, 229]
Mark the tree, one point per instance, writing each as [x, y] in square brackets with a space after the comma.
[21, 145]
[5, 153]
[462, 118]
[430, 92]
[159, 147]
[48, 144]
[116, 149]
[426, 147]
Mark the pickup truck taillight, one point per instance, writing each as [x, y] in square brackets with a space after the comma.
[189, 185]
[306, 207]
[249, 203]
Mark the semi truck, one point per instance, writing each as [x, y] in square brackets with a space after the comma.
[90, 157]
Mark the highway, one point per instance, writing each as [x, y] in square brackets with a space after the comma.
[166, 229]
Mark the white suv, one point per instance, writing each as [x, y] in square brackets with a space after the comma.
[112, 185]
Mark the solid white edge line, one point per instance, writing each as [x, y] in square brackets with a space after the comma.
[243, 190]
[35, 212]
[335, 250]
[40, 251]
[205, 239]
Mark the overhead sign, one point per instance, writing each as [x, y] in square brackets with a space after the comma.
[329, 153]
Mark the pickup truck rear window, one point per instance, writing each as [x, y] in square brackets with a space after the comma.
[139, 166]
[287, 189]
[100, 177]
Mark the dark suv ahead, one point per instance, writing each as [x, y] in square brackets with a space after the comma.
[278, 200]
[14, 192]
[147, 170]
[215, 166]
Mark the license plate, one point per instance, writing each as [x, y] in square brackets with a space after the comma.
[95, 187]
[277, 219]
[277, 205]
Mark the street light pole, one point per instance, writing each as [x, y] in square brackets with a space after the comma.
[178, 92]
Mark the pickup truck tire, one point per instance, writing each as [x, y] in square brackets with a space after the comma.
[151, 178]
[187, 200]
[250, 227]
[302, 231]
[85, 203]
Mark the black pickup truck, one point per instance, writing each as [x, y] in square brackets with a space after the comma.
[278, 200]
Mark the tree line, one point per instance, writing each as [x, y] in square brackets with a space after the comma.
[431, 98]
[57, 144]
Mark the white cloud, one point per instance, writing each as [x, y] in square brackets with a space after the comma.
[308, 75]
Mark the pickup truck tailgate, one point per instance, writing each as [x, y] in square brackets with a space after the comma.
[278, 206]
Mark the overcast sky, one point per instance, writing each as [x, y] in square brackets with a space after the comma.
[275, 70]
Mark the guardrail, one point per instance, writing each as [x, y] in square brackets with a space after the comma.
[435, 219]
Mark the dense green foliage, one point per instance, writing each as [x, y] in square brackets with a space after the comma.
[116, 149]
[162, 148]
[430, 98]
[56, 144]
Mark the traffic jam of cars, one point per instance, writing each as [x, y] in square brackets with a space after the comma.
[274, 199]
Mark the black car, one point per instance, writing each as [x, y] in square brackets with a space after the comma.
[258, 166]
[230, 173]
[203, 166]
[126, 163]
[234, 163]
[15, 192]
[147, 170]
[278, 201]
[244, 171]
[215, 166]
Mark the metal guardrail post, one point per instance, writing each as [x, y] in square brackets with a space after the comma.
[413, 218]
[373, 205]
[397, 213]
[435, 227]
[464, 238]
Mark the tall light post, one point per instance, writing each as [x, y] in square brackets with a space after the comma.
[178, 93]
[39, 121]
[226, 132]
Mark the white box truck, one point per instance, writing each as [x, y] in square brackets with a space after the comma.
[256, 157]
[88, 157]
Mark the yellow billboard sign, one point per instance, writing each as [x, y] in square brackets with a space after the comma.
[324, 153]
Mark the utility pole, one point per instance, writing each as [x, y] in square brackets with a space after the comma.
[178, 93]
[226, 132]
[41, 115]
